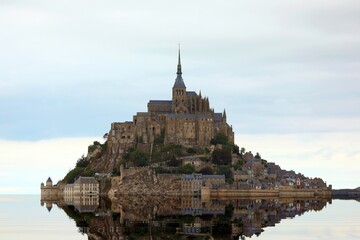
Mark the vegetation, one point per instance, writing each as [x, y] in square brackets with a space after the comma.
[82, 162]
[186, 169]
[82, 168]
[220, 138]
[226, 170]
[222, 156]
[207, 171]
[96, 144]
[238, 165]
[174, 162]
[136, 157]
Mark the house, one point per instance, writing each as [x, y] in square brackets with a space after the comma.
[191, 184]
[85, 186]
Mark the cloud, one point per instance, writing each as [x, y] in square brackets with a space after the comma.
[25, 165]
[334, 157]
[71, 68]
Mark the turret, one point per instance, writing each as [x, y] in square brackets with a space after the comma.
[49, 182]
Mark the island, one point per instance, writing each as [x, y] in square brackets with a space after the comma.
[179, 148]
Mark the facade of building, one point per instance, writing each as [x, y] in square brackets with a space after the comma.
[187, 119]
[49, 191]
[83, 186]
[191, 184]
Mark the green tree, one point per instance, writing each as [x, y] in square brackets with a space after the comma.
[221, 138]
[82, 162]
[207, 171]
[222, 156]
[236, 149]
[174, 162]
[139, 158]
[226, 170]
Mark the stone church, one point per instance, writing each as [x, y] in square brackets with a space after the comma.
[187, 119]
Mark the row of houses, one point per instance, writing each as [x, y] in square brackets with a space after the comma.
[191, 184]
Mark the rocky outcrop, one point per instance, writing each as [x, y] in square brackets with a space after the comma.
[143, 181]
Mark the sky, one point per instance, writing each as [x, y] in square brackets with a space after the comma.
[287, 73]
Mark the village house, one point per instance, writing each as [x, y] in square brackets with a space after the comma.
[191, 184]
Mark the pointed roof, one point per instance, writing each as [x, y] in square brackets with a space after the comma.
[224, 114]
[49, 180]
[49, 208]
[179, 82]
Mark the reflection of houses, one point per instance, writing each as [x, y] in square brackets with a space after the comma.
[191, 184]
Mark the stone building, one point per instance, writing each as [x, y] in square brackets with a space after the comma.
[186, 119]
[49, 191]
[192, 184]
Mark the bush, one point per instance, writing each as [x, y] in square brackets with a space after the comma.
[186, 169]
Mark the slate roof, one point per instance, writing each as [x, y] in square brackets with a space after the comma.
[191, 93]
[49, 180]
[179, 82]
[217, 116]
[160, 102]
[86, 180]
[202, 115]
[221, 177]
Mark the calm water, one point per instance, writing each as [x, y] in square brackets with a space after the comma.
[23, 217]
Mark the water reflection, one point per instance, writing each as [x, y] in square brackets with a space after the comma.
[179, 218]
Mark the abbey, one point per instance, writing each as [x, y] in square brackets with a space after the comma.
[187, 119]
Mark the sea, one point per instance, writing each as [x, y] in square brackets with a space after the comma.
[27, 217]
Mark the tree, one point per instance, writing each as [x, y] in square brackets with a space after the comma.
[236, 149]
[207, 171]
[174, 162]
[220, 138]
[82, 162]
[226, 170]
[222, 156]
[139, 158]
[257, 156]
[242, 151]
[106, 135]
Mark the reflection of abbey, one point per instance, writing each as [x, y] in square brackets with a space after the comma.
[187, 119]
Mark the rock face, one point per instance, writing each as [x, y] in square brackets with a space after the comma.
[100, 158]
[143, 181]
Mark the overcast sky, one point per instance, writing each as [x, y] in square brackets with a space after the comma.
[287, 73]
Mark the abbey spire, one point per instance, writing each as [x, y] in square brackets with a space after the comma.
[179, 82]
